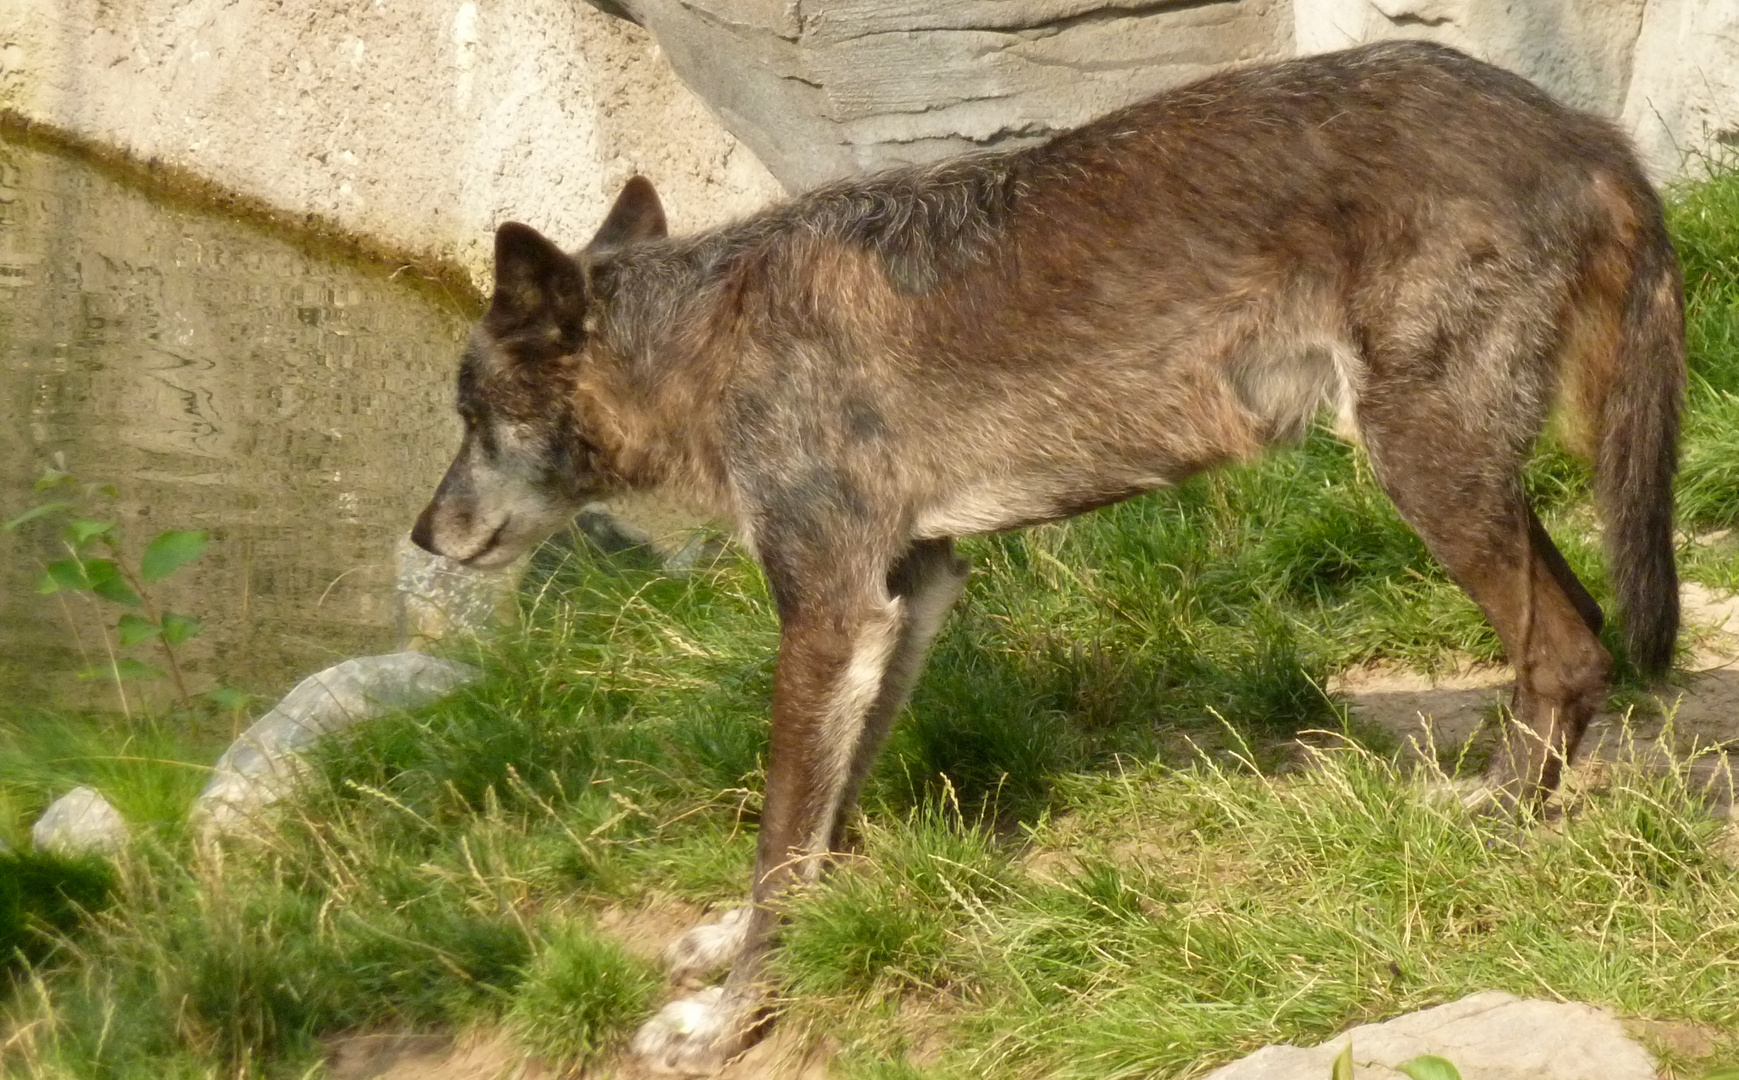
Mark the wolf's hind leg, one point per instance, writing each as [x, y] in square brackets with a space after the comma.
[1460, 490]
[712, 946]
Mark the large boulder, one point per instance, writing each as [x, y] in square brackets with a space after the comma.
[1580, 50]
[1667, 70]
[263, 764]
[825, 89]
[1490, 1036]
[1683, 101]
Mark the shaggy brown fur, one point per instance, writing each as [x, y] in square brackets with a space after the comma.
[1426, 245]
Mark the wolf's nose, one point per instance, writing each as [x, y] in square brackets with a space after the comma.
[422, 533]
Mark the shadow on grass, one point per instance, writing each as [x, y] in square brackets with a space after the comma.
[993, 728]
[43, 898]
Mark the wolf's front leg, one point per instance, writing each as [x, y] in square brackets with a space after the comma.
[832, 657]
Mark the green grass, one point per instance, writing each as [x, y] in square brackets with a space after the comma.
[43, 898]
[1165, 919]
[1705, 222]
[580, 995]
[1087, 850]
[149, 768]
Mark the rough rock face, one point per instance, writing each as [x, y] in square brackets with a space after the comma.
[825, 89]
[261, 765]
[420, 125]
[1667, 70]
[1490, 1036]
[1580, 50]
[1684, 89]
[78, 822]
[821, 88]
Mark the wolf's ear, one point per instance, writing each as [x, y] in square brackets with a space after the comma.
[636, 216]
[539, 288]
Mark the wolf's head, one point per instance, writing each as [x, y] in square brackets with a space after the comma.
[529, 460]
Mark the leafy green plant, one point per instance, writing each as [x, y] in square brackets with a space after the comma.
[97, 567]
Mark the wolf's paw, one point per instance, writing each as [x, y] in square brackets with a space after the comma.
[696, 1035]
[709, 947]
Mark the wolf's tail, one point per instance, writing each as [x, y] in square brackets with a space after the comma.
[1636, 452]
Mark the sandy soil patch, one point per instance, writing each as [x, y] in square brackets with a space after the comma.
[1700, 701]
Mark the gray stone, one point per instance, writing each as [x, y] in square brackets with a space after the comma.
[439, 598]
[825, 89]
[80, 822]
[1683, 100]
[1580, 50]
[653, 520]
[1490, 1036]
[263, 764]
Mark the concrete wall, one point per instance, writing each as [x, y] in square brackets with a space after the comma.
[422, 124]
[418, 124]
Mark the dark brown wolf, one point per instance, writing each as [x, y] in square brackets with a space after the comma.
[1426, 246]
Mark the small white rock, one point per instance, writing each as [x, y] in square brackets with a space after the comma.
[439, 598]
[80, 822]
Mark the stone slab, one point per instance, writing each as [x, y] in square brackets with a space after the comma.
[1489, 1036]
[261, 766]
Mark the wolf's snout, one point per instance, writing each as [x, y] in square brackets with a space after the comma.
[454, 529]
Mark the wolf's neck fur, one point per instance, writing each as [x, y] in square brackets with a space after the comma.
[659, 373]
[675, 316]
[922, 223]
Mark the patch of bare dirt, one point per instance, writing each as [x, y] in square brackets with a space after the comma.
[787, 1053]
[1445, 708]
[1686, 1040]
[387, 1056]
[1700, 703]
[646, 930]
